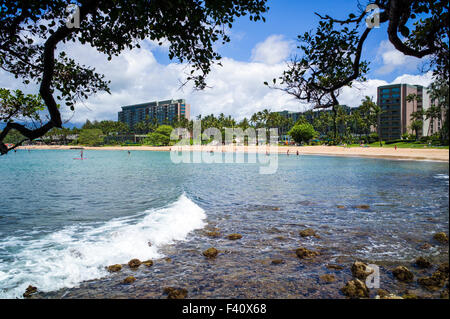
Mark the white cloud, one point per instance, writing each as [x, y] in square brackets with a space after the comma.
[236, 89]
[393, 59]
[273, 50]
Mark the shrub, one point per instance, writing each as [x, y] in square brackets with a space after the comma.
[90, 137]
[302, 132]
[157, 139]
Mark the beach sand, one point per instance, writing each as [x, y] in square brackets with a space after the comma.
[371, 152]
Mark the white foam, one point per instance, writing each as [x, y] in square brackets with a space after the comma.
[79, 253]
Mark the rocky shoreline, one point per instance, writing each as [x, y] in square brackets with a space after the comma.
[227, 272]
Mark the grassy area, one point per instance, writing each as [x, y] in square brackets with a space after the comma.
[403, 145]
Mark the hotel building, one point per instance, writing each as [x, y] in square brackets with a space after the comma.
[163, 112]
[396, 117]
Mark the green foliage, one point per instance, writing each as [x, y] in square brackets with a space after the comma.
[14, 137]
[157, 139]
[164, 130]
[15, 105]
[90, 137]
[302, 132]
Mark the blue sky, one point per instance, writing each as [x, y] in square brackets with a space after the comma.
[257, 52]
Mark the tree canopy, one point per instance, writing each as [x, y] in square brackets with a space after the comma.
[30, 32]
[332, 57]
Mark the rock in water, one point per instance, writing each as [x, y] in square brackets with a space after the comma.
[308, 232]
[355, 289]
[306, 253]
[148, 263]
[403, 274]
[129, 280]
[360, 270]
[436, 281]
[134, 263]
[234, 236]
[441, 237]
[362, 206]
[211, 253]
[327, 278]
[114, 268]
[175, 293]
[422, 263]
[277, 261]
[29, 291]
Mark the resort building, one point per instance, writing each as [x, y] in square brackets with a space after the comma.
[161, 112]
[396, 117]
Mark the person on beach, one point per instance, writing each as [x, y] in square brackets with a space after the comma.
[297, 153]
[287, 152]
[395, 146]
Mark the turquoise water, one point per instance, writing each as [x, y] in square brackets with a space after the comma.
[63, 220]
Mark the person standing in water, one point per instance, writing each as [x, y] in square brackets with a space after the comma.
[81, 154]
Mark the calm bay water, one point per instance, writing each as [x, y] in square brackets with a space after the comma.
[63, 220]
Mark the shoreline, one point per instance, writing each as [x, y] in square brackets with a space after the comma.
[438, 155]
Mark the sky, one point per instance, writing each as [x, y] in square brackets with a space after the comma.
[257, 53]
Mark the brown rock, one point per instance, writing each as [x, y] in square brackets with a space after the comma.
[114, 268]
[410, 296]
[444, 294]
[441, 237]
[335, 267]
[403, 274]
[234, 236]
[435, 282]
[360, 270]
[308, 232]
[29, 291]
[340, 206]
[211, 253]
[175, 293]
[328, 278]
[382, 293]
[213, 234]
[148, 263]
[355, 289]
[443, 268]
[389, 296]
[277, 261]
[129, 280]
[306, 253]
[134, 263]
[425, 246]
[421, 262]
[362, 206]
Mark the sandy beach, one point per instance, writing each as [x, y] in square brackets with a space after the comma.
[370, 152]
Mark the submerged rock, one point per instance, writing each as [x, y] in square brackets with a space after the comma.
[29, 291]
[328, 278]
[335, 267]
[441, 237]
[213, 234]
[306, 253]
[444, 294]
[308, 232]
[403, 274]
[148, 263]
[175, 293]
[211, 253]
[360, 270]
[425, 246]
[355, 289]
[277, 261]
[362, 206]
[129, 280]
[443, 268]
[134, 263]
[340, 206]
[234, 236]
[421, 262]
[435, 282]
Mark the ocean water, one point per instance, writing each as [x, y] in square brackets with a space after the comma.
[63, 220]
